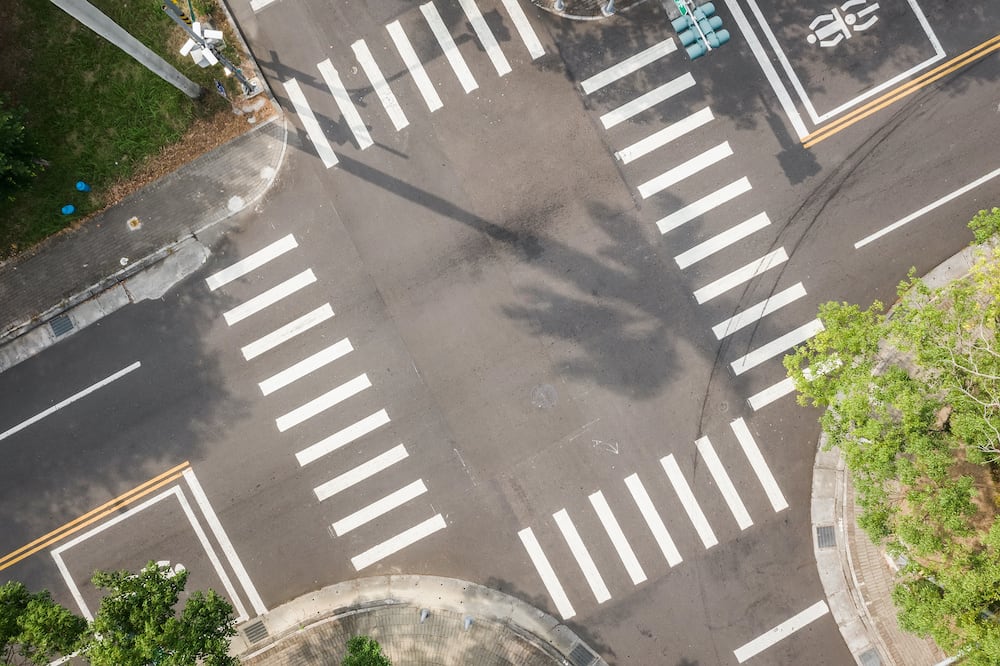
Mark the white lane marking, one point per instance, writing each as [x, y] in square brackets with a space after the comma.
[627, 66]
[224, 542]
[251, 263]
[342, 437]
[305, 366]
[344, 103]
[309, 122]
[777, 346]
[703, 205]
[287, 332]
[926, 209]
[414, 65]
[451, 52]
[73, 398]
[653, 520]
[741, 275]
[724, 483]
[771, 393]
[257, 5]
[528, 36]
[546, 573]
[760, 468]
[71, 584]
[617, 537]
[485, 36]
[647, 100]
[582, 556]
[755, 313]
[688, 168]
[783, 630]
[360, 473]
[723, 240]
[322, 403]
[664, 136]
[688, 501]
[379, 84]
[398, 542]
[269, 297]
[380, 507]
[765, 65]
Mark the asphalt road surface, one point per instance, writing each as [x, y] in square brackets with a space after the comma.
[519, 322]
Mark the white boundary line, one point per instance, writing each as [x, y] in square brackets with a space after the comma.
[546, 573]
[926, 209]
[73, 398]
[783, 630]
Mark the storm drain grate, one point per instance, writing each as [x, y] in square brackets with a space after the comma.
[581, 656]
[61, 325]
[256, 632]
[870, 658]
[825, 536]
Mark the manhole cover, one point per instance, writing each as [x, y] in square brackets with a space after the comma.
[544, 396]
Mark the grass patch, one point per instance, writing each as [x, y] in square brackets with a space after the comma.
[95, 113]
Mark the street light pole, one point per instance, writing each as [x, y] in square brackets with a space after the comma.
[93, 18]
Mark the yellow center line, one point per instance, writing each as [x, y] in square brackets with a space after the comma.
[92, 516]
[976, 53]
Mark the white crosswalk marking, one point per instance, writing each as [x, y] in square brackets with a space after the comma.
[685, 170]
[757, 312]
[379, 84]
[528, 36]
[309, 122]
[342, 437]
[485, 36]
[363, 471]
[783, 630]
[287, 332]
[344, 103]
[647, 100]
[269, 297]
[379, 508]
[724, 483]
[653, 520]
[741, 275]
[771, 393]
[451, 52]
[627, 66]
[398, 542]
[664, 136]
[546, 573]
[760, 468]
[582, 556]
[251, 263]
[617, 537]
[777, 346]
[703, 205]
[305, 366]
[722, 241]
[258, 5]
[414, 66]
[688, 501]
[323, 402]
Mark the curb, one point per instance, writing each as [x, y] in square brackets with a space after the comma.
[345, 602]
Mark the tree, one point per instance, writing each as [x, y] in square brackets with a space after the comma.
[17, 159]
[364, 651]
[137, 623]
[912, 400]
[35, 626]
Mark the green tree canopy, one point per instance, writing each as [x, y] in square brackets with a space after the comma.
[364, 651]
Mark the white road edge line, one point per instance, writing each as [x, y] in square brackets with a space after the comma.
[73, 398]
[379, 84]
[309, 122]
[703, 205]
[688, 501]
[725, 484]
[617, 536]
[340, 95]
[783, 630]
[722, 240]
[653, 520]
[546, 573]
[582, 556]
[759, 466]
[756, 312]
[287, 332]
[664, 136]
[269, 297]
[741, 275]
[528, 36]
[647, 100]
[451, 52]
[251, 263]
[342, 437]
[780, 344]
[415, 67]
[323, 402]
[399, 542]
[380, 507]
[365, 470]
[926, 209]
[685, 170]
[485, 35]
[625, 67]
[305, 366]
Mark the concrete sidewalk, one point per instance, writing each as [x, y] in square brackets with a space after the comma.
[418, 620]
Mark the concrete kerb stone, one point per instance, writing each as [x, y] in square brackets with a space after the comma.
[436, 594]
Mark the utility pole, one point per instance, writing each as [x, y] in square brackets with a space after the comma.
[93, 18]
